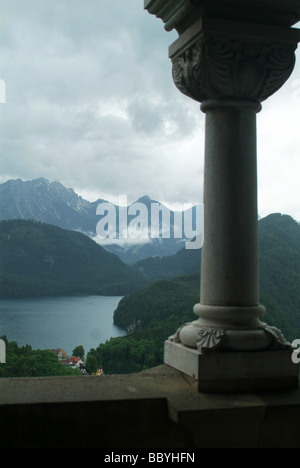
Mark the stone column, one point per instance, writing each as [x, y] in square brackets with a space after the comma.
[231, 67]
[229, 279]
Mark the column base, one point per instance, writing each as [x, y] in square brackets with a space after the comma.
[234, 372]
[230, 329]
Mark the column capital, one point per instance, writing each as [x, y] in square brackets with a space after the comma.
[217, 59]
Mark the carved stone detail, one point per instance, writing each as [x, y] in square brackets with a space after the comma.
[176, 338]
[209, 339]
[220, 68]
[278, 341]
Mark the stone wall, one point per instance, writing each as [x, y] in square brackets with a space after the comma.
[160, 408]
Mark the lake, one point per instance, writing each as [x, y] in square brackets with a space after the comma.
[60, 322]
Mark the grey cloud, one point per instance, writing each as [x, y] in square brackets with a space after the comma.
[91, 102]
[155, 114]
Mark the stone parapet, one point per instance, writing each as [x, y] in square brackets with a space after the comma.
[158, 408]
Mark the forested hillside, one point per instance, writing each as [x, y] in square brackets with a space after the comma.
[150, 315]
[279, 259]
[154, 313]
[279, 247]
[183, 262]
[44, 260]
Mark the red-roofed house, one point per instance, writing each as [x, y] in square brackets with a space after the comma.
[73, 361]
[61, 353]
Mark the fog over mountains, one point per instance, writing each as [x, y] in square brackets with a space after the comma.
[53, 203]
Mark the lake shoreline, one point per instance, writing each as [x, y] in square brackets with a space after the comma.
[60, 322]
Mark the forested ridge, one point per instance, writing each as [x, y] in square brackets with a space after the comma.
[43, 260]
[279, 253]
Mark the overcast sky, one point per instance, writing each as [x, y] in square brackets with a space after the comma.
[91, 103]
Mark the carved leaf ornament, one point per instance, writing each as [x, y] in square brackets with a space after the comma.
[215, 68]
[214, 339]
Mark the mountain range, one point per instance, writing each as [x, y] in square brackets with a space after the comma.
[53, 203]
[47, 202]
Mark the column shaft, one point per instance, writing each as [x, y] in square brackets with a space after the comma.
[230, 252]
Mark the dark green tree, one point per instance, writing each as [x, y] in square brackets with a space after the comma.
[22, 361]
[91, 364]
[78, 352]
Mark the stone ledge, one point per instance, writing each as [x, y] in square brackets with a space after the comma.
[235, 371]
[157, 408]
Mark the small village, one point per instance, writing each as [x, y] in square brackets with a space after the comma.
[75, 362]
